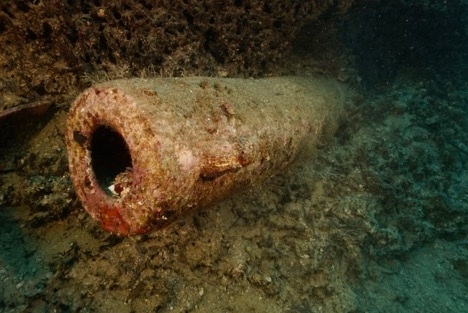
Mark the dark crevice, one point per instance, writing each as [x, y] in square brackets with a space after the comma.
[110, 155]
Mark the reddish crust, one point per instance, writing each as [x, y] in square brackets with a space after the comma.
[111, 220]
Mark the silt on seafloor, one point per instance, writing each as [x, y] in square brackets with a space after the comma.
[143, 152]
